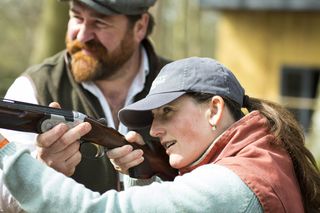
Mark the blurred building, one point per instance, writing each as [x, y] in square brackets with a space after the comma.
[273, 46]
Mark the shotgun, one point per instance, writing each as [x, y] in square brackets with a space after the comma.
[26, 117]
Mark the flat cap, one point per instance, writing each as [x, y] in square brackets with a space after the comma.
[112, 7]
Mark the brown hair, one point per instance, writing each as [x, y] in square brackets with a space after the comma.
[290, 136]
[134, 18]
[288, 131]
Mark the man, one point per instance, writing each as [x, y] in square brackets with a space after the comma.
[108, 63]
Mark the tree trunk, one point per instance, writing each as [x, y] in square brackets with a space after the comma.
[50, 36]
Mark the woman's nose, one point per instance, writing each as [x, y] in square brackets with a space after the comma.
[156, 130]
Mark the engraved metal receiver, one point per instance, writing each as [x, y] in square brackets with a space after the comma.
[34, 118]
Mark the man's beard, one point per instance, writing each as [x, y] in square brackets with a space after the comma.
[101, 64]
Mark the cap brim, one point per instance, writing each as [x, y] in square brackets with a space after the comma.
[138, 114]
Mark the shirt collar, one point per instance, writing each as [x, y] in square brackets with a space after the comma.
[140, 79]
[136, 87]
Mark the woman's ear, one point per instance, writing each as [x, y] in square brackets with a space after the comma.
[216, 107]
[141, 26]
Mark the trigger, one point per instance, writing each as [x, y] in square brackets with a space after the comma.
[91, 150]
[100, 151]
[103, 121]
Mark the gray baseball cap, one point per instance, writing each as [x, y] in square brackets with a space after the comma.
[125, 7]
[193, 74]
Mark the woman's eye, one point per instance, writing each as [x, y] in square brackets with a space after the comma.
[166, 110]
[164, 113]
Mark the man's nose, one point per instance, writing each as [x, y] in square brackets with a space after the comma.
[84, 33]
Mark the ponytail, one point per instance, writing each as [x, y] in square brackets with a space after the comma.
[290, 136]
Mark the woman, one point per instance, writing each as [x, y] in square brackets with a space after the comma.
[228, 161]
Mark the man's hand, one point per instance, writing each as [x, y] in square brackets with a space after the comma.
[59, 147]
[123, 158]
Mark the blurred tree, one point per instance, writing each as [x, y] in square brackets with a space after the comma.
[51, 30]
[17, 23]
[37, 30]
[183, 29]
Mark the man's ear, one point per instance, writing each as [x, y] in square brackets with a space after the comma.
[140, 27]
[216, 107]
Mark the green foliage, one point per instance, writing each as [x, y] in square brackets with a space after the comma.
[35, 29]
[17, 23]
[51, 30]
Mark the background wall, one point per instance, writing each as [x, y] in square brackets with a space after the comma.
[257, 45]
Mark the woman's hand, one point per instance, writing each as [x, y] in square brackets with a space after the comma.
[123, 158]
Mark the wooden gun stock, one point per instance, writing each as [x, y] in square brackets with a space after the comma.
[156, 161]
[21, 116]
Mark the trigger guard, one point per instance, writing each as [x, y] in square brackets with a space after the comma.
[91, 150]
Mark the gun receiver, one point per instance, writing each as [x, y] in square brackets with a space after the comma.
[26, 117]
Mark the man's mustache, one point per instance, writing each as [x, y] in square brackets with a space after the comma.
[91, 46]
